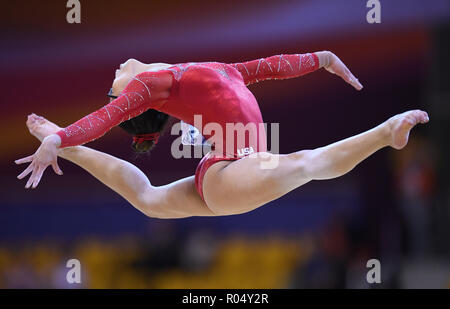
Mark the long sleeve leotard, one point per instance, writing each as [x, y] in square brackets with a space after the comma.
[277, 67]
[216, 91]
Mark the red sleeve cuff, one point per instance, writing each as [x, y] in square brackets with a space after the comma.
[63, 137]
[316, 61]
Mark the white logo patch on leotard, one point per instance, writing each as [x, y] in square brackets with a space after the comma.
[191, 135]
[245, 151]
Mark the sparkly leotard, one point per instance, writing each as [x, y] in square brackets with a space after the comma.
[215, 91]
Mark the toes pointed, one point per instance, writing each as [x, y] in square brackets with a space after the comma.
[422, 117]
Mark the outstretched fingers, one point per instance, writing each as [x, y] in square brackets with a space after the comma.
[37, 177]
[56, 168]
[28, 170]
[47, 154]
[32, 178]
[351, 79]
[25, 160]
[337, 67]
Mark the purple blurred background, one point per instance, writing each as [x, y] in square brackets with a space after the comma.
[394, 207]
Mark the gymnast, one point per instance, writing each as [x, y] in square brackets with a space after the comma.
[230, 179]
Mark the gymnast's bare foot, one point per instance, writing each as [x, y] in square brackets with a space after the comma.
[40, 127]
[400, 125]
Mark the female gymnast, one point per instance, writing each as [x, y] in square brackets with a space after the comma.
[227, 180]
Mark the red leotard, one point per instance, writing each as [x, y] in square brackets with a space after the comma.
[216, 91]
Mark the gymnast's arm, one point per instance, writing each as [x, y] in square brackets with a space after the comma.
[294, 65]
[144, 91]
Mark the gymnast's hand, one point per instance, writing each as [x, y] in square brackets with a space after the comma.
[47, 154]
[334, 65]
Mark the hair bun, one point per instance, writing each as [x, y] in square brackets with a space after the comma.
[143, 146]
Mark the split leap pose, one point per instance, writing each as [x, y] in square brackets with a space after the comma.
[228, 180]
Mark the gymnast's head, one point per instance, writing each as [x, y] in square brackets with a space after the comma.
[131, 68]
[146, 127]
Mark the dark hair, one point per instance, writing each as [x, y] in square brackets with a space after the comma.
[150, 121]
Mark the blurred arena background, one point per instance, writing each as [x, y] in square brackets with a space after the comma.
[395, 206]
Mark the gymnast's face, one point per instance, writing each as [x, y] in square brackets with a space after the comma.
[125, 73]
[131, 68]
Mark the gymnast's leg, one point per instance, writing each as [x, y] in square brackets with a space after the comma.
[241, 186]
[176, 200]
